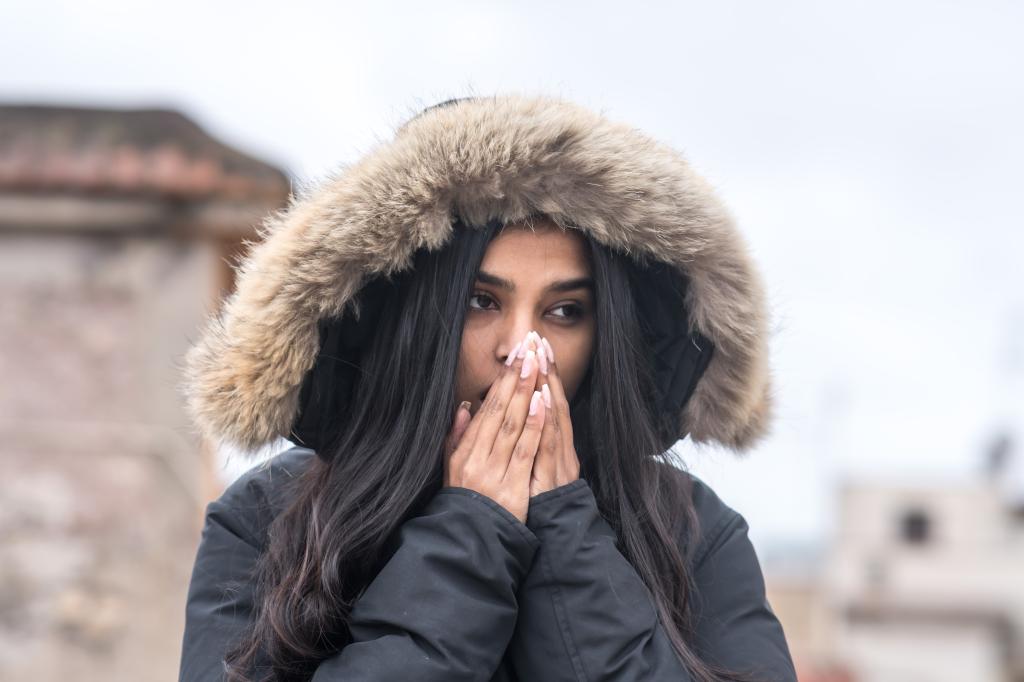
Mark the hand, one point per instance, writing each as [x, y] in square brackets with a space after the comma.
[494, 454]
[556, 463]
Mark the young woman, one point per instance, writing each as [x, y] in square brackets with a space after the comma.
[485, 337]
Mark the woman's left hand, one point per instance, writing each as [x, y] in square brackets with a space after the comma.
[556, 463]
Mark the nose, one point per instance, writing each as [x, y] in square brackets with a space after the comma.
[512, 341]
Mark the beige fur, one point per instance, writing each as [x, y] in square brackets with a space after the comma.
[505, 157]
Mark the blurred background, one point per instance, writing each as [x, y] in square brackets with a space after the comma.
[871, 153]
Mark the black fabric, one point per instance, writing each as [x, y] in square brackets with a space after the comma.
[474, 594]
[678, 356]
[327, 388]
[444, 606]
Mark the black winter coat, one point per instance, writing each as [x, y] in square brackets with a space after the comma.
[474, 594]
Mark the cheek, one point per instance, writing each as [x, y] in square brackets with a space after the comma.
[467, 377]
[463, 375]
[575, 366]
[572, 377]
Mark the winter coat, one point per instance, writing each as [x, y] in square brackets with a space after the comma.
[472, 593]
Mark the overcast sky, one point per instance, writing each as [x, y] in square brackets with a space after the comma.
[871, 152]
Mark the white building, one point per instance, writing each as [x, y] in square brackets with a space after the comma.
[925, 581]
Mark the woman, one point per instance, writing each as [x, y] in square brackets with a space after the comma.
[589, 298]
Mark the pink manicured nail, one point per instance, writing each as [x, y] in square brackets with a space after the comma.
[551, 353]
[531, 338]
[543, 357]
[531, 357]
[512, 355]
[546, 393]
[533, 402]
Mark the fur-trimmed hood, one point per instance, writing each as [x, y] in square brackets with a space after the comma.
[502, 158]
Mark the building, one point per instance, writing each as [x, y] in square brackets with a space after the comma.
[926, 581]
[117, 230]
[923, 580]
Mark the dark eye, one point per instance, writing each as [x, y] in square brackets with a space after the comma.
[572, 311]
[485, 297]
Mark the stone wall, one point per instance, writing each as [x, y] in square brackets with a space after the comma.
[101, 498]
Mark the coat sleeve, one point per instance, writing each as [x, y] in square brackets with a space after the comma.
[736, 627]
[442, 608]
[220, 593]
[585, 613]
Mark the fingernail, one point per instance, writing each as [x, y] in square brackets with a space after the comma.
[543, 357]
[464, 405]
[512, 354]
[546, 393]
[531, 357]
[523, 347]
[533, 402]
[547, 347]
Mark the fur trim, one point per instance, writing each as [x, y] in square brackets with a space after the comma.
[506, 157]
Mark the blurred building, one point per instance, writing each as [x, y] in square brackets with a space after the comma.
[117, 230]
[928, 582]
[923, 581]
[797, 593]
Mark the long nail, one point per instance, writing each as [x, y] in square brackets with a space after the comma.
[546, 393]
[543, 357]
[531, 357]
[512, 354]
[533, 402]
[551, 353]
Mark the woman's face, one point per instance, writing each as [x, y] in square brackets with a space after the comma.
[537, 280]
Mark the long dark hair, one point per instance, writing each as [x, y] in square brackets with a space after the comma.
[384, 461]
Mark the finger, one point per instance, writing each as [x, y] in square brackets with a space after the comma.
[455, 435]
[466, 442]
[507, 374]
[545, 465]
[567, 465]
[474, 424]
[459, 426]
[492, 412]
[565, 450]
[559, 403]
[524, 452]
[516, 414]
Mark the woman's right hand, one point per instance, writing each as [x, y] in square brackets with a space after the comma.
[494, 455]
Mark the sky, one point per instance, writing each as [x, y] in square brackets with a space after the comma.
[870, 152]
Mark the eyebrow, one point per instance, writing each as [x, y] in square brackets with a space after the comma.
[560, 285]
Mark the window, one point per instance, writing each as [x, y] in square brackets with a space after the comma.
[915, 527]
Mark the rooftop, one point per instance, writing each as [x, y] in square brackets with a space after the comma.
[156, 153]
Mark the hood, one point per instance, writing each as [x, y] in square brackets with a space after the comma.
[261, 360]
